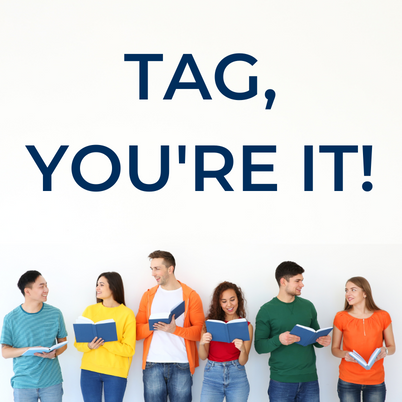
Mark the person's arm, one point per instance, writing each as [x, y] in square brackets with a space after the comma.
[54, 353]
[322, 341]
[203, 347]
[142, 325]
[9, 352]
[264, 343]
[126, 346]
[389, 343]
[244, 346]
[336, 346]
[63, 348]
[87, 347]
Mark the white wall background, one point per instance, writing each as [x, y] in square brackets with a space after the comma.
[335, 68]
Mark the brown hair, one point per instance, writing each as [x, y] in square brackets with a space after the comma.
[168, 259]
[115, 285]
[215, 309]
[363, 284]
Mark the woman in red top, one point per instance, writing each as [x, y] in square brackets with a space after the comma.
[362, 327]
[225, 374]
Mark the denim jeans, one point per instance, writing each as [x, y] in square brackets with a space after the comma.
[163, 379]
[294, 391]
[92, 382]
[349, 392]
[48, 394]
[225, 379]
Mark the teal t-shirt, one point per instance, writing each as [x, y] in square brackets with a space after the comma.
[22, 329]
[291, 363]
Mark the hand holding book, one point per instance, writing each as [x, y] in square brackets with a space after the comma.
[359, 359]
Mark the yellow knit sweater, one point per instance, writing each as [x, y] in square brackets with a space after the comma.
[113, 358]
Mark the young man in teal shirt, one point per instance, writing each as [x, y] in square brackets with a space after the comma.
[32, 324]
[292, 366]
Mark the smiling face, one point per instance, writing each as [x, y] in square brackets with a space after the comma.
[39, 290]
[229, 304]
[294, 286]
[160, 272]
[103, 290]
[353, 294]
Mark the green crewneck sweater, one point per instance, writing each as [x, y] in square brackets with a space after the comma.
[291, 363]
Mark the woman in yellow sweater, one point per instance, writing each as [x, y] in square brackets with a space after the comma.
[108, 363]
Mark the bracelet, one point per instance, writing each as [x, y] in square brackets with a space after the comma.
[386, 350]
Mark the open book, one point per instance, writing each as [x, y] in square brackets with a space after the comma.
[228, 331]
[309, 335]
[362, 362]
[32, 351]
[177, 311]
[86, 330]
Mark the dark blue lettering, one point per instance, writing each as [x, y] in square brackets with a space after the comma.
[47, 171]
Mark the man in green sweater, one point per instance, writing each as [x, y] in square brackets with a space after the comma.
[292, 366]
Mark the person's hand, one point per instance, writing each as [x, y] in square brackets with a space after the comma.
[349, 358]
[286, 339]
[44, 355]
[382, 354]
[324, 340]
[96, 343]
[239, 344]
[161, 326]
[206, 338]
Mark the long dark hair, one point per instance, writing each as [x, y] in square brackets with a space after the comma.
[363, 283]
[215, 309]
[115, 285]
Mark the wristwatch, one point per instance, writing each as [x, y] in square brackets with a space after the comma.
[386, 350]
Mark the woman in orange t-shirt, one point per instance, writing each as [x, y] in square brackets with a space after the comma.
[362, 327]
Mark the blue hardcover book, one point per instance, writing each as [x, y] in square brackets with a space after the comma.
[177, 311]
[362, 362]
[309, 335]
[228, 331]
[32, 351]
[86, 330]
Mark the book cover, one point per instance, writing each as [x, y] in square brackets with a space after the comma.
[32, 351]
[86, 330]
[166, 317]
[309, 335]
[228, 331]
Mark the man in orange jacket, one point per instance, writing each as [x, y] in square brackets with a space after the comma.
[170, 353]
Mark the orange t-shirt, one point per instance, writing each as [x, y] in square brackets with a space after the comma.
[363, 336]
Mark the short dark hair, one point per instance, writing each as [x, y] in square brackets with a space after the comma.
[168, 259]
[27, 280]
[287, 270]
[115, 284]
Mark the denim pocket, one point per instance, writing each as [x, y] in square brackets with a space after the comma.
[208, 366]
[149, 365]
[183, 366]
[240, 367]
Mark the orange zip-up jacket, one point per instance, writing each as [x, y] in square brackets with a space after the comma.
[191, 331]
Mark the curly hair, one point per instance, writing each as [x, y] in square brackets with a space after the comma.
[215, 309]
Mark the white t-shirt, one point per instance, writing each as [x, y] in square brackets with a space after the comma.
[166, 347]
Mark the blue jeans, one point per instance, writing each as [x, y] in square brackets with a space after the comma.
[92, 382]
[294, 391]
[349, 392]
[163, 379]
[225, 379]
[53, 393]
